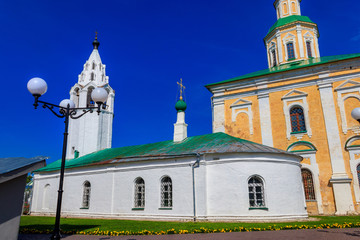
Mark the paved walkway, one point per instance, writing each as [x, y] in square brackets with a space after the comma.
[318, 234]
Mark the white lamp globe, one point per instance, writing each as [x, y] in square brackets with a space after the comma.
[37, 86]
[99, 95]
[64, 103]
[355, 113]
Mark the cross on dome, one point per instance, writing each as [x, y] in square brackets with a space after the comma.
[182, 87]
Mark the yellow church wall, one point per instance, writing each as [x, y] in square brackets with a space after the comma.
[241, 127]
[318, 138]
[342, 72]
[349, 105]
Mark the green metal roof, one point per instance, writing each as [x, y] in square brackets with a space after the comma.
[289, 66]
[210, 143]
[290, 19]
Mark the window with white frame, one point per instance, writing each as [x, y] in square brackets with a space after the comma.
[256, 192]
[297, 119]
[308, 48]
[86, 194]
[296, 111]
[166, 192]
[139, 198]
[290, 50]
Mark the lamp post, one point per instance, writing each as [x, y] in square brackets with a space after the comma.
[355, 113]
[38, 87]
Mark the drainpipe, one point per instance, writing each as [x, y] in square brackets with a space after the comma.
[196, 164]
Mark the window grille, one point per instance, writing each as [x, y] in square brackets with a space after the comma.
[139, 200]
[290, 50]
[308, 47]
[297, 119]
[273, 53]
[256, 192]
[166, 192]
[86, 195]
[358, 172]
[308, 184]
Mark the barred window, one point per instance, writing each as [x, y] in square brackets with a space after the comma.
[308, 184]
[256, 192]
[86, 194]
[297, 119]
[166, 192]
[139, 200]
[358, 172]
[290, 50]
[308, 47]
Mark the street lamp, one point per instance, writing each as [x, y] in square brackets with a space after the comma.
[38, 87]
[355, 113]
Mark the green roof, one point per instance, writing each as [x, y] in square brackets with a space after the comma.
[210, 143]
[289, 66]
[290, 19]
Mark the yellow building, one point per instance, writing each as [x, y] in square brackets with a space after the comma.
[302, 104]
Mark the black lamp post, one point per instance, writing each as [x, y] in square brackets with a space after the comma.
[38, 87]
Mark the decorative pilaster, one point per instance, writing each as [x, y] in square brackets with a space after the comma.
[265, 119]
[339, 179]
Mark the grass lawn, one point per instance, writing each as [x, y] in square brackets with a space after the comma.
[33, 224]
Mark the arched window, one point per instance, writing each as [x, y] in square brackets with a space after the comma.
[285, 9]
[166, 192]
[139, 199]
[93, 65]
[46, 197]
[92, 76]
[86, 195]
[273, 54]
[256, 192]
[90, 102]
[358, 172]
[290, 50]
[297, 119]
[308, 184]
[76, 97]
[308, 48]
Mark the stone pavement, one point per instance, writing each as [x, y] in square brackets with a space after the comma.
[318, 234]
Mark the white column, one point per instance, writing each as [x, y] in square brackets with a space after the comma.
[279, 47]
[301, 42]
[339, 179]
[265, 119]
[218, 109]
[316, 43]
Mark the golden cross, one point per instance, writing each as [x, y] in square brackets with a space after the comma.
[96, 35]
[182, 87]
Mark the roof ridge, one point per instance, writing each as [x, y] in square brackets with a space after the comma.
[288, 67]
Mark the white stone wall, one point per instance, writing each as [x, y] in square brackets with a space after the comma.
[220, 183]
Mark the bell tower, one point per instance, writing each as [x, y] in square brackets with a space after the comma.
[92, 132]
[293, 37]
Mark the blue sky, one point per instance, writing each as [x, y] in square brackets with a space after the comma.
[147, 46]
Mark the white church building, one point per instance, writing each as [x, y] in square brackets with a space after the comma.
[214, 177]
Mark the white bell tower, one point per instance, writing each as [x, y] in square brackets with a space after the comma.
[91, 132]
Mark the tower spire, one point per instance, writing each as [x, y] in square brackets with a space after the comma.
[96, 42]
[180, 127]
